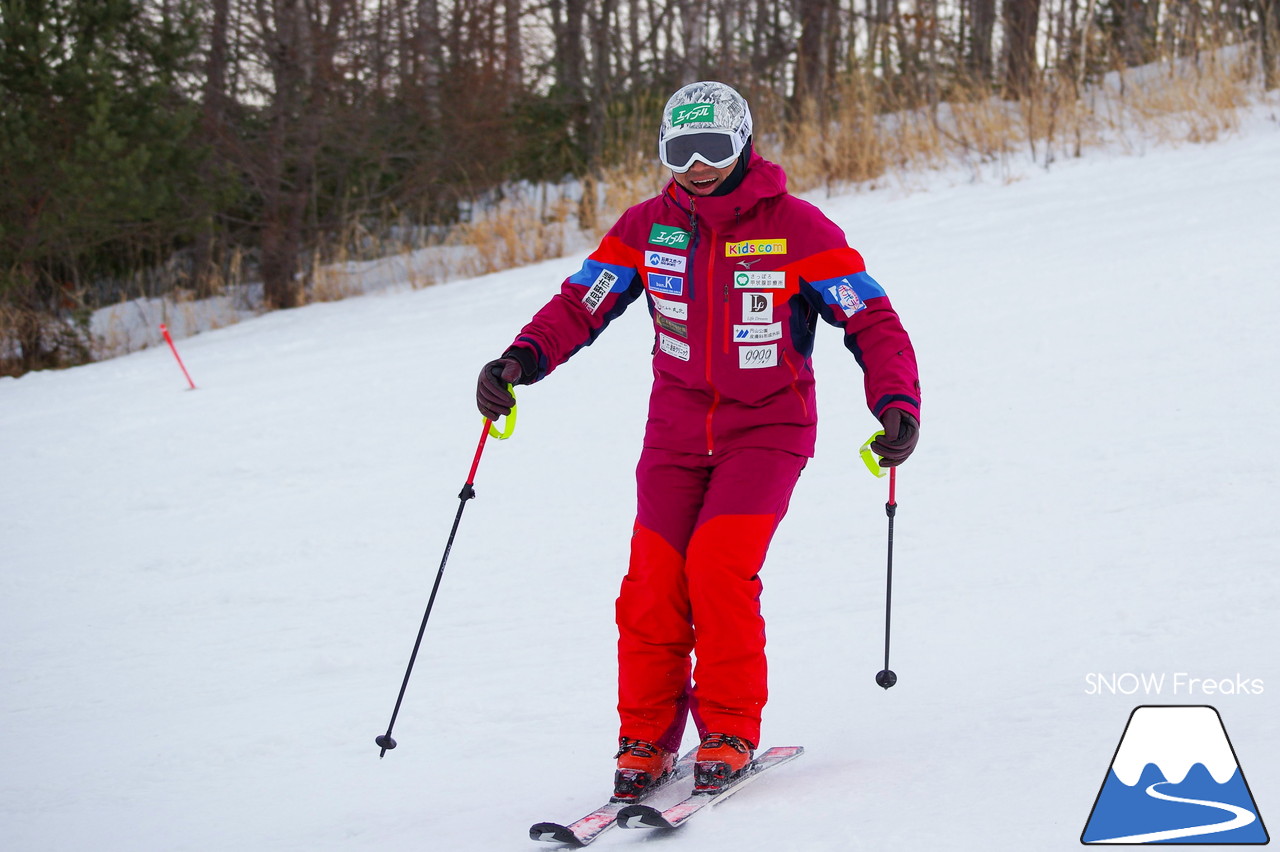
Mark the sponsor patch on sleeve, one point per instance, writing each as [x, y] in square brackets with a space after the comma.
[599, 289]
[843, 294]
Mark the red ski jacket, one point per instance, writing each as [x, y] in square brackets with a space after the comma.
[735, 285]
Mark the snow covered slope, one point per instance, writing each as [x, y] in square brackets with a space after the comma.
[207, 598]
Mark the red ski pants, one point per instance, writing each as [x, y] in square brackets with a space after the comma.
[692, 592]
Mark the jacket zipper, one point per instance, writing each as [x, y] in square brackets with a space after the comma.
[693, 249]
[728, 324]
[710, 310]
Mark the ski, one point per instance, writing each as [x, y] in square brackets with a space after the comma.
[583, 831]
[644, 816]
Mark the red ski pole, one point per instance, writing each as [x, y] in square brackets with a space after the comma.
[385, 741]
[164, 329]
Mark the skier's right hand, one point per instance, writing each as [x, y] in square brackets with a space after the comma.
[492, 397]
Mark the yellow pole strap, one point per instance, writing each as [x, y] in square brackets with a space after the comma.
[509, 421]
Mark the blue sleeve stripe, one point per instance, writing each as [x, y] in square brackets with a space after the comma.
[590, 272]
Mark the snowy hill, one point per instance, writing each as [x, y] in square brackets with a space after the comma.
[207, 599]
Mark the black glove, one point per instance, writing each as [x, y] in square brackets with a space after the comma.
[516, 367]
[901, 431]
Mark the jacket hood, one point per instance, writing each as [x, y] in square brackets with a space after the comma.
[763, 180]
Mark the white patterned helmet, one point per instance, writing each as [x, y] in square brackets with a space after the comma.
[707, 122]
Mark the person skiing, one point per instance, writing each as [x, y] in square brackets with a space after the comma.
[735, 273]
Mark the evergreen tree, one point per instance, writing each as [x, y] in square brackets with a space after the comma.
[95, 160]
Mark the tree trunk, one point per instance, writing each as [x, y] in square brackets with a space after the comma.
[1269, 35]
[693, 27]
[213, 118]
[432, 58]
[601, 82]
[284, 188]
[817, 25]
[513, 71]
[1138, 31]
[982, 15]
[1021, 18]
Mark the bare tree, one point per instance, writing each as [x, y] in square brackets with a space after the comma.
[300, 41]
[1269, 41]
[693, 26]
[817, 20]
[513, 69]
[1021, 21]
[982, 23]
[431, 56]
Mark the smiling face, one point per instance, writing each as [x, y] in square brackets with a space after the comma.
[702, 179]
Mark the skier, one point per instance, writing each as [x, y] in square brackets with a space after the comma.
[735, 273]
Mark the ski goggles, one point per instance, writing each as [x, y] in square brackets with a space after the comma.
[716, 148]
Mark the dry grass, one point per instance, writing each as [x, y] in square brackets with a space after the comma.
[512, 233]
[862, 138]
[1183, 101]
[331, 278]
[868, 136]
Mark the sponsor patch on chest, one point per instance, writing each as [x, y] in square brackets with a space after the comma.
[748, 248]
[672, 285]
[668, 308]
[757, 307]
[673, 347]
[664, 260]
[673, 326]
[666, 235]
[757, 333]
[757, 357]
[747, 280]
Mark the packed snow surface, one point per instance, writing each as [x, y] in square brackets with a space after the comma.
[208, 598]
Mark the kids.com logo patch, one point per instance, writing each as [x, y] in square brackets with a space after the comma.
[1175, 779]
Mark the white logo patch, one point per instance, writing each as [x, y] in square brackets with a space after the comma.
[745, 279]
[757, 333]
[595, 295]
[662, 260]
[668, 308]
[846, 297]
[755, 357]
[757, 307]
[673, 347]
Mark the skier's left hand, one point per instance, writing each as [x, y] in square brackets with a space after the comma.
[901, 431]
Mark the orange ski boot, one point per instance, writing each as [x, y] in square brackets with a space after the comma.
[721, 758]
[641, 766]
